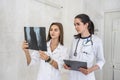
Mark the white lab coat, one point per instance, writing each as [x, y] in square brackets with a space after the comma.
[94, 53]
[46, 71]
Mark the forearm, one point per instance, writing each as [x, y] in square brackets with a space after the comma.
[48, 59]
[28, 57]
[54, 64]
[89, 70]
[93, 68]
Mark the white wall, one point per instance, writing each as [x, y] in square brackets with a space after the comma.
[71, 9]
[13, 16]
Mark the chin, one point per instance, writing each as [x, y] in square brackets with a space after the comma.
[78, 32]
[53, 37]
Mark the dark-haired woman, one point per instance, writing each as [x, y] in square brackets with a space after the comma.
[86, 47]
[52, 60]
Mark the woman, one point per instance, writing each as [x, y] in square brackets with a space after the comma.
[86, 47]
[52, 60]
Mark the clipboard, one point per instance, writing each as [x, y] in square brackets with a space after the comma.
[75, 65]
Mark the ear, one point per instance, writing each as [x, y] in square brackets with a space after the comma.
[87, 25]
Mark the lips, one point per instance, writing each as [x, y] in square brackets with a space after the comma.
[52, 35]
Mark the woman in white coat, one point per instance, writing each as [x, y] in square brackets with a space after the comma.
[86, 47]
[52, 60]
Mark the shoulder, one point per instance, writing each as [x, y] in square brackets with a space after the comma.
[74, 39]
[96, 41]
[62, 47]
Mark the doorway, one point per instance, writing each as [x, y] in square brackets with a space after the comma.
[112, 46]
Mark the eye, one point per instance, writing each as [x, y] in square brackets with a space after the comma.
[77, 24]
[56, 30]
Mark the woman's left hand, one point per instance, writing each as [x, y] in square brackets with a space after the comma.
[88, 70]
[43, 55]
[85, 71]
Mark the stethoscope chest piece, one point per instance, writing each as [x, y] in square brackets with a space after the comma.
[75, 53]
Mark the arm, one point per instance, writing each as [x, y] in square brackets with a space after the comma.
[54, 63]
[99, 59]
[47, 58]
[28, 57]
[69, 56]
[26, 51]
[89, 70]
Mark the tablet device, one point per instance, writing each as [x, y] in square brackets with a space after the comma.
[75, 65]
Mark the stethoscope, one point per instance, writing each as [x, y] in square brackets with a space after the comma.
[89, 39]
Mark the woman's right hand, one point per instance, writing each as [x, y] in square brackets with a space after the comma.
[25, 46]
[66, 67]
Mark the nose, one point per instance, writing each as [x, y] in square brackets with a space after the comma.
[76, 27]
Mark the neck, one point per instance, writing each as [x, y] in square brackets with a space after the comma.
[85, 34]
[54, 41]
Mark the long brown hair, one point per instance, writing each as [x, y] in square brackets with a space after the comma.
[60, 26]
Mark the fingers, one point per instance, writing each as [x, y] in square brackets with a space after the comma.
[24, 45]
[66, 67]
[43, 55]
[84, 71]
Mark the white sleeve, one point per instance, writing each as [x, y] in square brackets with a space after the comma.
[71, 49]
[34, 57]
[99, 54]
[63, 56]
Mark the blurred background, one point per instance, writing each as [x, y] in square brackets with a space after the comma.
[15, 14]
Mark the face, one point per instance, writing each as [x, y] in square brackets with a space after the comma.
[54, 32]
[80, 26]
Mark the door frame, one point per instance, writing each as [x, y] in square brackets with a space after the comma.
[111, 43]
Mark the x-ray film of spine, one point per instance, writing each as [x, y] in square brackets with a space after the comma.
[36, 38]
